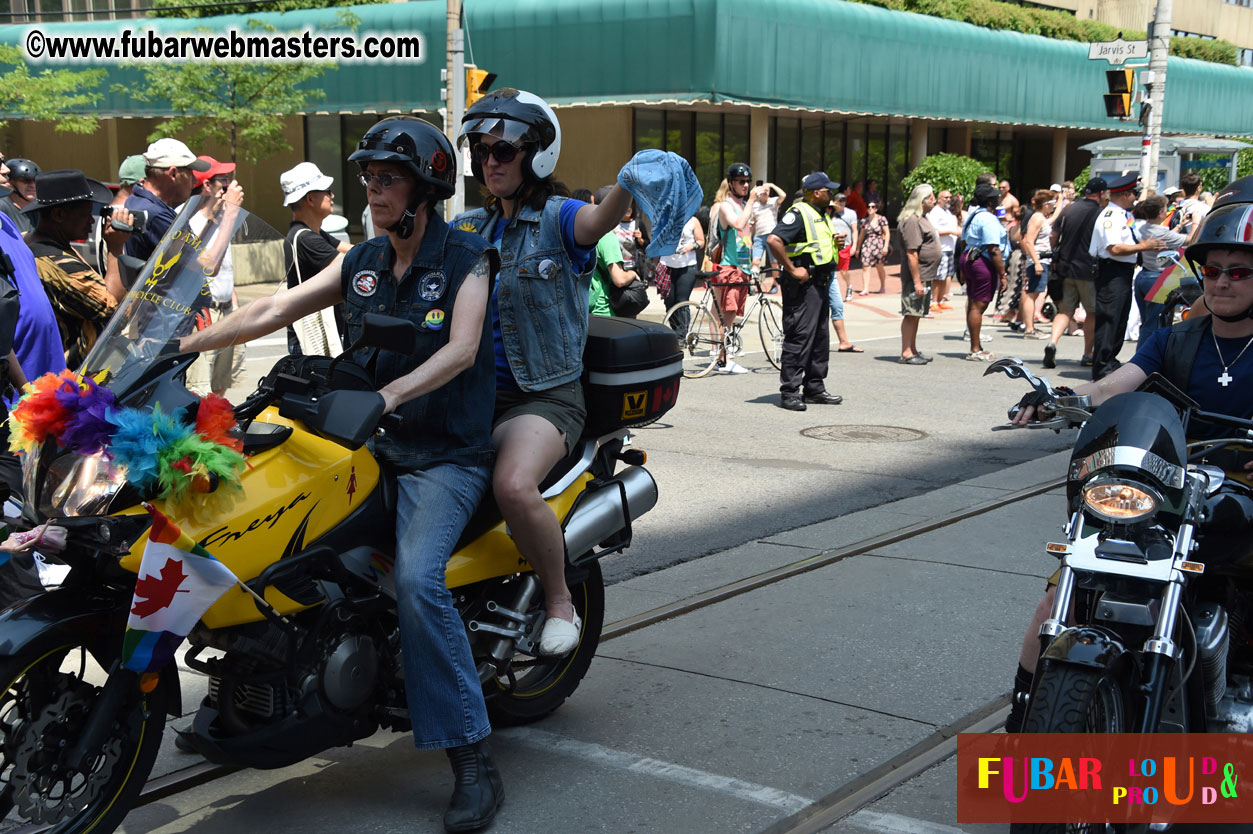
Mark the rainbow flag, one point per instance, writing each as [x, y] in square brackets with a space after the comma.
[178, 582]
[1170, 279]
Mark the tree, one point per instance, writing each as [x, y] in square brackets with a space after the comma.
[48, 95]
[241, 105]
[181, 8]
[945, 172]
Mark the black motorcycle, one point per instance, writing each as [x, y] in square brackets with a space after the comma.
[1151, 625]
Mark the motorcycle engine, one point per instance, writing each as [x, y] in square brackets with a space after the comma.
[350, 671]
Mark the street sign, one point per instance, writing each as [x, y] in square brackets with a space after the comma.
[1119, 51]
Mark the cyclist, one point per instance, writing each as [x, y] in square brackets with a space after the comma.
[539, 315]
[733, 220]
[1208, 356]
[805, 247]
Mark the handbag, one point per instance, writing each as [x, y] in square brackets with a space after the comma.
[627, 302]
[317, 332]
[661, 280]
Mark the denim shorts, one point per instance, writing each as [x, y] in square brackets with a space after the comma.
[1037, 283]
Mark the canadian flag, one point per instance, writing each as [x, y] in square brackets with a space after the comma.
[178, 581]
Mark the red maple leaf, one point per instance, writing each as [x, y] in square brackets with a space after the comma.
[158, 593]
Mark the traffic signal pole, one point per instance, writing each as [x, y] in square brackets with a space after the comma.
[1159, 50]
[455, 98]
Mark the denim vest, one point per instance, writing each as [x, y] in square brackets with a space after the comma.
[452, 423]
[543, 302]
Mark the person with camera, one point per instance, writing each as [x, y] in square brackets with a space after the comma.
[169, 177]
[806, 249]
[64, 204]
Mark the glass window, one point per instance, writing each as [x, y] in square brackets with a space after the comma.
[735, 141]
[679, 134]
[811, 147]
[898, 160]
[856, 153]
[833, 152]
[708, 165]
[937, 140]
[876, 165]
[786, 169]
[648, 129]
[353, 201]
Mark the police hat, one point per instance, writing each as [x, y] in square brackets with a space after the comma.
[1123, 184]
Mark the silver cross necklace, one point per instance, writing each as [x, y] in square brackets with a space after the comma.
[1227, 378]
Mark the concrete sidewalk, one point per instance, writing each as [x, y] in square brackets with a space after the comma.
[729, 718]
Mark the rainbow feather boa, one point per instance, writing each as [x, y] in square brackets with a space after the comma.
[162, 454]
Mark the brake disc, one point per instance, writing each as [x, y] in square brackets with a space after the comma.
[42, 789]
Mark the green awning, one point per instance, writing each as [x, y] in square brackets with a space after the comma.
[822, 55]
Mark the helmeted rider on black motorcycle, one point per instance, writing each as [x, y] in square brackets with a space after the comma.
[1209, 356]
[440, 279]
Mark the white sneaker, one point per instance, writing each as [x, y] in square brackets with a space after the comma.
[731, 367]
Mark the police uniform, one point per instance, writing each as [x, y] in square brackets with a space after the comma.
[806, 338]
[1114, 275]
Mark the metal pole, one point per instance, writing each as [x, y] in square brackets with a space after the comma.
[1159, 50]
[455, 98]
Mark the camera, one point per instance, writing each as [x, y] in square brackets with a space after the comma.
[139, 221]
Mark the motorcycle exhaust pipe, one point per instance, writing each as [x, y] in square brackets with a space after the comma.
[607, 509]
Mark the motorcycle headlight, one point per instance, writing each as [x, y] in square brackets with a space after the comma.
[80, 485]
[1120, 501]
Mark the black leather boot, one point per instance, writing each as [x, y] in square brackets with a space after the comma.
[1018, 700]
[478, 791]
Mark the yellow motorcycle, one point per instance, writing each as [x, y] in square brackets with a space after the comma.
[307, 656]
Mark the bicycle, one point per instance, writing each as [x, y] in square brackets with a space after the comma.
[702, 337]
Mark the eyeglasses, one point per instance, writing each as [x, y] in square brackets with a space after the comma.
[384, 180]
[1233, 273]
[502, 152]
[738, 181]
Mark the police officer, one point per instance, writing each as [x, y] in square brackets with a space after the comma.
[1116, 246]
[806, 249]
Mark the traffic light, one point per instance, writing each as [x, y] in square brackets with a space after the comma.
[477, 83]
[1121, 84]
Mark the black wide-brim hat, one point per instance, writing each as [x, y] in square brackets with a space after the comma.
[69, 185]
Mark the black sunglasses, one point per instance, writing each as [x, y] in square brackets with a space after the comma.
[502, 152]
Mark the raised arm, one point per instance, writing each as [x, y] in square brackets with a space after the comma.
[592, 222]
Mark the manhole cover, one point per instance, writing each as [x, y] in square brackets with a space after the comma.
[864, 434]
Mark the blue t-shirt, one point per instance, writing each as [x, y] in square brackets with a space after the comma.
[983, 230]
[37, 337]
[1236, 399]
[160, 216]
[581, 258]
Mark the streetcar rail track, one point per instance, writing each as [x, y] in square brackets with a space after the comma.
[845, 800]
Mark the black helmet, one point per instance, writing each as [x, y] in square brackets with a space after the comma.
[739, 169]
[22, 169]
[519, 118]
[417, 145]
[1239, 191]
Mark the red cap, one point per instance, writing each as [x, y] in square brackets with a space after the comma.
[215, 168]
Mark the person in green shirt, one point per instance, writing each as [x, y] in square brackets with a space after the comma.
[609, 271]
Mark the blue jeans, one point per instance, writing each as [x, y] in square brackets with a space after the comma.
[837, 299]
[1150, 312]
[445, 698]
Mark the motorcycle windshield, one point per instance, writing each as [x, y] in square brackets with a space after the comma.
[209, 248]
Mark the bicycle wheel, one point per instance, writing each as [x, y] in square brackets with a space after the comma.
[770, 323]
[700, 336]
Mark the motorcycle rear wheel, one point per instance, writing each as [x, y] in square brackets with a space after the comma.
[1073, 699]
[44, 703]
[542, 684]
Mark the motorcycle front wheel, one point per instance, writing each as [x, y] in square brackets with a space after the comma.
[1073, 699]
[45, 702]
[541, 684]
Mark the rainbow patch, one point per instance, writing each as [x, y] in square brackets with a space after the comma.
[434, 320]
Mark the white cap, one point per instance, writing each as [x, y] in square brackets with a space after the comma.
[1055, 187]
[302, 179]
[1172, 191]
[171, 153]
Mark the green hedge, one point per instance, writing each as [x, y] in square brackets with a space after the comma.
[993, 14]
[945, 172]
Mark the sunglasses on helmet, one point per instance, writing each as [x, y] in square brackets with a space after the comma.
[1233, 273]
[502, 152]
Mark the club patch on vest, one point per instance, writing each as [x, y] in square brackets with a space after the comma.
[433, 286]
[365, 282]
[434, 320]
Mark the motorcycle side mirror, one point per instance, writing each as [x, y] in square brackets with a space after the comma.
[394, 334]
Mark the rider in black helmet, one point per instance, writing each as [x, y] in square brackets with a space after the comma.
[21, 190]
[1209, 356]
[440, 279]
